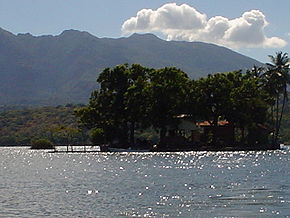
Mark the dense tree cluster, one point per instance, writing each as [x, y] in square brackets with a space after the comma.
[135, 97]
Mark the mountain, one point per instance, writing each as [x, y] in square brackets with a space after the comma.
[50, 70]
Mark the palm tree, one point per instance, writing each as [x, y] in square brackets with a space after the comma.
[277, 80]
[256, 72]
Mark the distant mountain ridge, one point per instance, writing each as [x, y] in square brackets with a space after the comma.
[50, 70]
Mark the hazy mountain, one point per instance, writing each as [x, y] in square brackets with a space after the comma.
[63, 69]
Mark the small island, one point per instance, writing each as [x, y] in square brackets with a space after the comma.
[224, 111]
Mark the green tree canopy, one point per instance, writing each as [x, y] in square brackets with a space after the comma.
[277, 78]
[169, 88]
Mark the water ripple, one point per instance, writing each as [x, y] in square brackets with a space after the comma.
[186, 184]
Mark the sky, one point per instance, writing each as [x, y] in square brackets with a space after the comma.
[256, 28]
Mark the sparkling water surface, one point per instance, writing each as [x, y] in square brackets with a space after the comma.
[189, 184]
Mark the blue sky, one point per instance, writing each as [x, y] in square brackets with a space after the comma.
[270, 30]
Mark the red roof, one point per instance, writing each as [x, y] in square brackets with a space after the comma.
[206, 123]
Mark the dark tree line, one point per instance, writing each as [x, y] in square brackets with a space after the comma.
[135, 97]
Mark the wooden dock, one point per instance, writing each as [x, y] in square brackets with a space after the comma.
[75, 149]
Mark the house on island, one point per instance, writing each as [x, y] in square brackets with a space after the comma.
[190, 135]
[224, 132]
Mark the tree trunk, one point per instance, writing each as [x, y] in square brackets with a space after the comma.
[281, 114]
[132, 133]
[215, 126]
[162, 133]
[124, 135]
[243, 135]
[273, 123]
[277, 118]
[233, 140]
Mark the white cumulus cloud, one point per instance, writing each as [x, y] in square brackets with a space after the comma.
[183, 22]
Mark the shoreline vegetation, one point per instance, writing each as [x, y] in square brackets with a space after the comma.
[164, 110]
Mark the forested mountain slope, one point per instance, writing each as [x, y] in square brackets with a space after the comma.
[52, 70]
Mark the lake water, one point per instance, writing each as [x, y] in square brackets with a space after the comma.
[191, 184]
